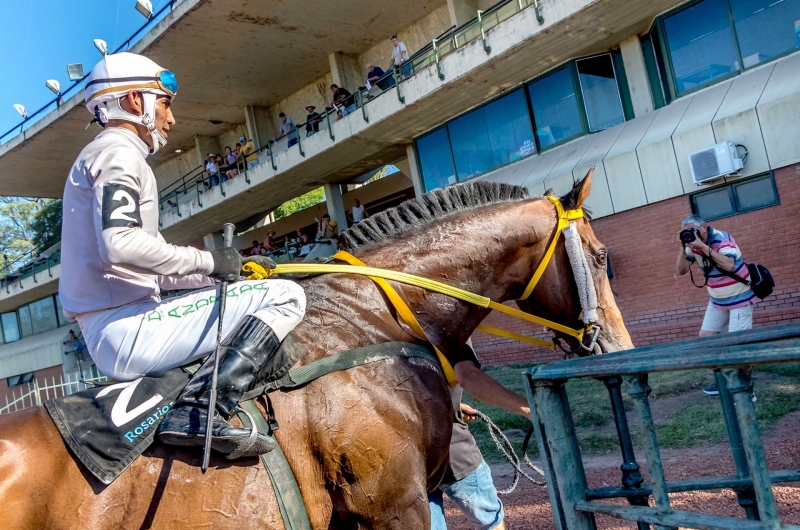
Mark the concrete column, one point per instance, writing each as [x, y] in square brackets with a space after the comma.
[205, 145]
[250, 123]
[462, 11]
[636, 72]
[346, 71]
[333, 199]
[414, 172]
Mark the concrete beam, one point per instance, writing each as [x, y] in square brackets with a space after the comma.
[462, 11]
[204, 145]
[413, 171]
[250, 122]
[346, 71]
[636, 72]
[333, 199]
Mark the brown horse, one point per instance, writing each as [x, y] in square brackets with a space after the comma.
[367, 444]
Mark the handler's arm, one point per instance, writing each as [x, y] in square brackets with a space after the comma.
[487, 390]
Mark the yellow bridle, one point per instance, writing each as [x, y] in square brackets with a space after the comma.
[380, 277]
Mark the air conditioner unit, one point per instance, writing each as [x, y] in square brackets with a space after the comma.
[715, 162]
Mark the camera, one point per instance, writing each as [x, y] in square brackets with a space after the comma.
[687, 235]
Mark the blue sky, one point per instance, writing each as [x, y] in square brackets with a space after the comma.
[42, 36]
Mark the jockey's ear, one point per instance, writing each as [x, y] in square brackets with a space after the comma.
[579, 193]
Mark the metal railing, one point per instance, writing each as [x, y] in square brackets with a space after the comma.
[31, 268]
[35, 394]
[429, 55]
[731, 357]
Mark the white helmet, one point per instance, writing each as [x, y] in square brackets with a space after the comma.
[115, 76]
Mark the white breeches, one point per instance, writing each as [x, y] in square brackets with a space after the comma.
[130, 341]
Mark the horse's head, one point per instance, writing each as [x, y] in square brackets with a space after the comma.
[556, 295]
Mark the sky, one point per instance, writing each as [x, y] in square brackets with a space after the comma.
[43, 36]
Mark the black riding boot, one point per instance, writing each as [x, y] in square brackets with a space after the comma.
[242, 355]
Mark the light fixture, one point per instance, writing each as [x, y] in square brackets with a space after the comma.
[145, 8]
[101, 46]
[22, 112]
[54, 86]
[75, 71]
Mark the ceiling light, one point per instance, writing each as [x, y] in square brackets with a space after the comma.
[145, 8]
[53, 85]
[75, 71]
[101, 46]
[22, 112]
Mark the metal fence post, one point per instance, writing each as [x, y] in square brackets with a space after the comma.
[36, 391]
[363, 107]
[49, 268]
[199, 193]
[246, 177]
[400, 96]
[486, 47]
[34, 273]
[271, 160]
[299, 142]
[537, 9]
[436, 58]
[330, 130]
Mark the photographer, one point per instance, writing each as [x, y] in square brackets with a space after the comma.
[731, 302]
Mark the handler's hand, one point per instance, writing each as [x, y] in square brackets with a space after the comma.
[264, 261]
[468, 413]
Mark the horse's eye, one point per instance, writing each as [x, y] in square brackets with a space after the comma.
[601, 257]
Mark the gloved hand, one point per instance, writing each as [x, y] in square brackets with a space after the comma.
[264, 261]
[227, 264]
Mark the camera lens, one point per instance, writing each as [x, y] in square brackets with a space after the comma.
[687, 235]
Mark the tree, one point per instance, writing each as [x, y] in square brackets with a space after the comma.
[300, 203]
[46, 225]
[16, 233]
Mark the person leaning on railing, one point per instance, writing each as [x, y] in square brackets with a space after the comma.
[287, 129]
[212, 169]
[230, 157]
[313, 119]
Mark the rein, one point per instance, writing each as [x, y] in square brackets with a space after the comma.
[380, 277]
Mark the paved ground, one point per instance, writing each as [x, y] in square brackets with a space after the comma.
[527, 508]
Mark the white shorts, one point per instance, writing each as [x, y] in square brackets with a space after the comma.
[135, 339]
[737, 319]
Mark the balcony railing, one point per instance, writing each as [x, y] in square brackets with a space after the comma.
[30, 266]
[195, 182]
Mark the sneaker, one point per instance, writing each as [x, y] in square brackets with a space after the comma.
[711, 390]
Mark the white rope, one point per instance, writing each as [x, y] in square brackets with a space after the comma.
[582, 273]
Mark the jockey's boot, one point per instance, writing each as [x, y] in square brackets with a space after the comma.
[242, 355]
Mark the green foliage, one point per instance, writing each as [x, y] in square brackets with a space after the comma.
[16, 233]
[300, 203]
[46, 224]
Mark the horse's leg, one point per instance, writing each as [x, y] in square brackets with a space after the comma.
[381, 434]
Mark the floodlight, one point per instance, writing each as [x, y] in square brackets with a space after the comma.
[145, 8]
[101, 46]
[75, 71]
[53, 85]
[22, 112]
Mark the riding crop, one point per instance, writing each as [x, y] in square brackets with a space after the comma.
[227, 241]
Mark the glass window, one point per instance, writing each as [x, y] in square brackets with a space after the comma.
[435, 160]
[766, 28]
[600, 92]
[21, 379]
[555, 108]
[508, 123]
[10, 327]
[714, 204]
[470, 142]
[755, 194]
[43, 315]
[701, 44]
[25, 321]
[62, 319]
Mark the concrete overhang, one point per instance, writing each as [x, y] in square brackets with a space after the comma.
[227, 55]
[521, 50]
[29, 289]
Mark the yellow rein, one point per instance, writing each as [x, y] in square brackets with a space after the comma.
[379, 276]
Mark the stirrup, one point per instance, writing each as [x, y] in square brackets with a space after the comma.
[248, 444]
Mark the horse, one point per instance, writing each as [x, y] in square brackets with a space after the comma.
[365, 444]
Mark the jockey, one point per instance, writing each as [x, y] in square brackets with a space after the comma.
[115, 262]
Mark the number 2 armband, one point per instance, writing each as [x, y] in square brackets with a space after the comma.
[120, 207]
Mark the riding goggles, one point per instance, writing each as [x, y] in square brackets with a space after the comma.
[164, 80]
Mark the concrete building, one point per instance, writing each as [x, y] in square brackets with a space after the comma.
[520, 91]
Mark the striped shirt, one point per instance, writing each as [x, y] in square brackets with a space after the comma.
[725, 292]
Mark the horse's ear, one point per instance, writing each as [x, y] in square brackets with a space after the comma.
[579, 193]
[549, 193]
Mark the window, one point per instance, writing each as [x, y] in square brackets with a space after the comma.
[25, 325]
[43, 315]
[10, 327]
[470, 141]
[711, 40]
[62, 319]
[436, 160]
[601, 95]
[21, 379]
[736, 197]
[555, 108]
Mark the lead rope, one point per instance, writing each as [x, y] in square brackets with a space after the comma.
[505, 447]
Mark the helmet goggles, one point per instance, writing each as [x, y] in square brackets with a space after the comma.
[164, 81]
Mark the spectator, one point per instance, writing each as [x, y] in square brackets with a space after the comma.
[339, 114]
[301, 237]
[75, 341]
[248, 151]
[374, 73]
[288, 129]
[269, 241]
[239, 160]
[313, 119]
[343, 98]
[326, 228]
[212, 169]
[357, 213]
[399, 52]
[171, 203]
[221, 163]
[230, 157]
[255, 250]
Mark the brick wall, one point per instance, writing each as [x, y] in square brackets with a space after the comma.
[40, 375]
[657, 306]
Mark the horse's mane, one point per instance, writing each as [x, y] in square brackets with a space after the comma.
[428, 209]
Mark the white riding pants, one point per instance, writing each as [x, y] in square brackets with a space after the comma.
[135, 339]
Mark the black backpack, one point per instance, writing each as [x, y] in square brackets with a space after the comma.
[760, 282]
